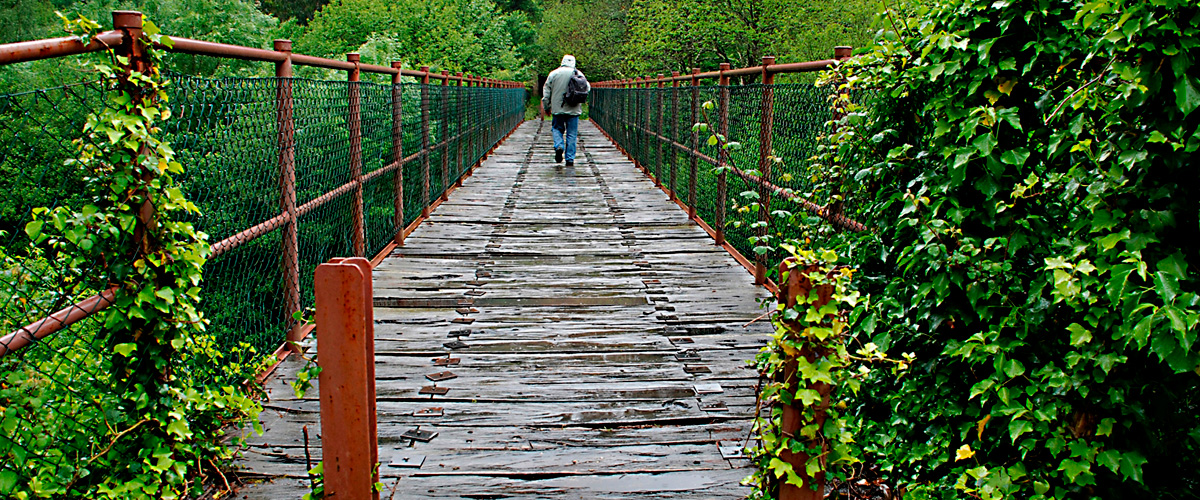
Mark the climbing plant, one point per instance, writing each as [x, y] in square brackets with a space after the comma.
[814, 365]
[1029, 170]
[149, 424]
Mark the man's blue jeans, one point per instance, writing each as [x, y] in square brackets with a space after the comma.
[571, 124]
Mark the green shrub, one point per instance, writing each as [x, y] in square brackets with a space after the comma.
[1030, 171]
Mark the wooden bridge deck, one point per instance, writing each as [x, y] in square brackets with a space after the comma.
[586, 282]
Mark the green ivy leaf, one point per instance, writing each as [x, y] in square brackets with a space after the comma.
[34, 229]
[1110, 459]
[1163, 344]
[125, 349]
[179, 428]
[8, 481]
[1174, 265]
[1131, 465]
[1167, 285]
[1074, 469]
[1017, 427]
[1079, 334]
[1187, 94]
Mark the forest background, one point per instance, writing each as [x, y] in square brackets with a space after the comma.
[508, 39]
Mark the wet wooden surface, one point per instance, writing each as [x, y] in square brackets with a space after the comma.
[585, 283]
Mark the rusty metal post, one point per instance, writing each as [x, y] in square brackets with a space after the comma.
[623, 116]
[695, 144]
[765, 154]
[130, 22]
[445, 133]
[286, 162]
[355, 124]
[489, 143]
[469, 118]
[674, 136]
[635, 141]
[658, 141]
[458, 129]
[634, 132]
[398, 154]
[425, 142]
[797, 284]
[722, 156]
[347, 381]
[644, 146]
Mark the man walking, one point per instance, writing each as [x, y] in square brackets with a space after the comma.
[565, 122]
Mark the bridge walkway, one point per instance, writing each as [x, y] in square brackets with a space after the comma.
[567, 294]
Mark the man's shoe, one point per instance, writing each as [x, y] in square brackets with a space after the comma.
[558, 156]
[570, 163]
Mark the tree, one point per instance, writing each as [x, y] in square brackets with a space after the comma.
[678, 35]
[594, 31]
[302, 11]
[449, 34]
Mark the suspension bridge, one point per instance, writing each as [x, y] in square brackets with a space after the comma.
[536, 329]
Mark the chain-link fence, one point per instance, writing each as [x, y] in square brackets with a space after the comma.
[54, 389]
[287, 174]
[778, 128]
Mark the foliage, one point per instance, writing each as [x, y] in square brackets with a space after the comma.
[811, 369]
[678, 35]
[237, 22]
[147, 424]
[302, 11]
[594, 31]
[1028, 169]
[457, 35]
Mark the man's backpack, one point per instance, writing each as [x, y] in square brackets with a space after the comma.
[577, 90]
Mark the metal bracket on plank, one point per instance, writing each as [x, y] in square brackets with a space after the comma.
[446, 361]
[419, 435]
[687, 355]
[440, 376]
[457, 344]
[708, 388]
[434, 390]
[433, 411]
[407, 461]
[732, 450]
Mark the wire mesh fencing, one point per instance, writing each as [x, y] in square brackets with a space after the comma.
[270, 163]
[53, 392]
[778, 128]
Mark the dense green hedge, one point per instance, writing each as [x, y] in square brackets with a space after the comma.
[1031, 174]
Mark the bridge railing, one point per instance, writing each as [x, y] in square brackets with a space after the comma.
[779, 126]
[287, 172]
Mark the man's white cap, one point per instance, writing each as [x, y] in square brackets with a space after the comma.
[568, 61]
